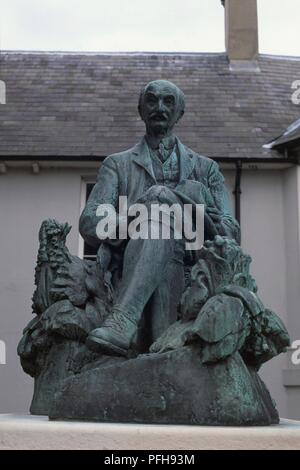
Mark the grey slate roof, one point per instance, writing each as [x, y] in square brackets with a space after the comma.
[85, 105]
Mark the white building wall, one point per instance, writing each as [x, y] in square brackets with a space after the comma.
[270, 215]
[263, 238]
[291, 374]
[27, 199]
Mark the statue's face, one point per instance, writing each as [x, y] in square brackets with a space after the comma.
[160, 108]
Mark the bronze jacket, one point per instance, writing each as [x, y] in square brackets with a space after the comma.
[130, 174]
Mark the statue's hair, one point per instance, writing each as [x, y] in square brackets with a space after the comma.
[179, 92]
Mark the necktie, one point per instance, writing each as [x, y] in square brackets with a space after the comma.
[163, 152]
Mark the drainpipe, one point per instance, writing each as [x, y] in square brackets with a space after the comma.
[237, 190]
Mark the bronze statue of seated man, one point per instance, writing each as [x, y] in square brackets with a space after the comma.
[195, 313]
[159, 169]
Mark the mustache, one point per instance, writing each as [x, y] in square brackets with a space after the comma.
[158, 116]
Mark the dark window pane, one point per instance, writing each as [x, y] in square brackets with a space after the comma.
[89, 188]
[89, 252]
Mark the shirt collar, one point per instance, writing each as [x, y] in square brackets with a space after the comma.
[168, 142]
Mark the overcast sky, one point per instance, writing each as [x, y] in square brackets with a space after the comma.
[139, 25]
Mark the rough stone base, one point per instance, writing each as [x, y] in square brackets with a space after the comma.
[37, 433]
[169, 388]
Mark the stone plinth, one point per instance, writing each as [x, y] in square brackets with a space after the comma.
[36, 432]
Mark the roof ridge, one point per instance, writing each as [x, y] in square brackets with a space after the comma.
[140, 53]
[279, 57]
[113, 53]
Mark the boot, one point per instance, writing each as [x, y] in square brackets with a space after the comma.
[114, 336]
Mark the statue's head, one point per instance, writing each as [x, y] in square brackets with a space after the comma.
[161, 105]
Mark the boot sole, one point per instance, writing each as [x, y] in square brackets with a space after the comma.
[99, 345]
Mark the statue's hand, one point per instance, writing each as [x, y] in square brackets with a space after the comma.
[194, 192]
[160, 195]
